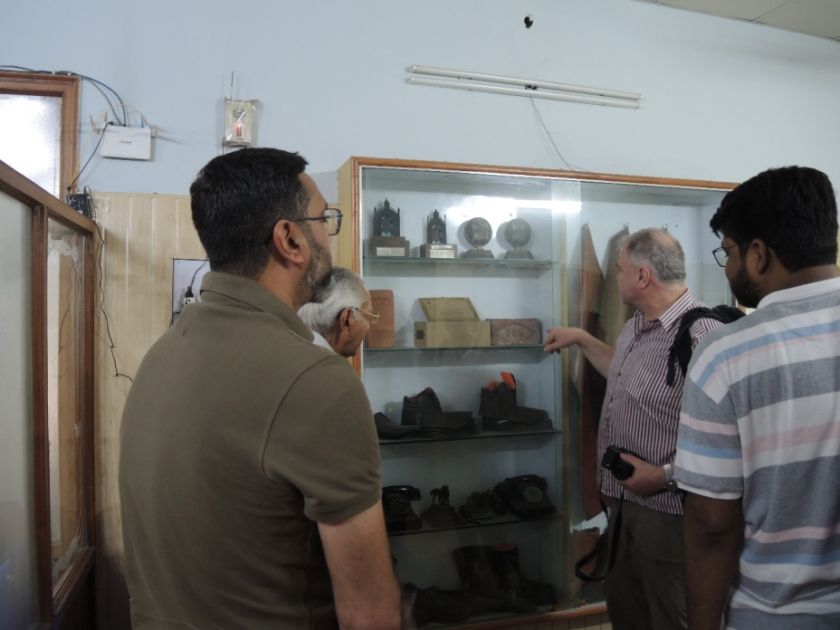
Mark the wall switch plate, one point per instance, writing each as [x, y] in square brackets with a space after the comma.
[127, 143]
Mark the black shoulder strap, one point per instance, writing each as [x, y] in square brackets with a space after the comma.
[726, 313]
[681, 349]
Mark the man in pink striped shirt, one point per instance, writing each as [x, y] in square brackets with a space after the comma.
[645, 584]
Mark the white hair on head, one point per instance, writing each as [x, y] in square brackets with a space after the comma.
[341, 289]
[660, 252]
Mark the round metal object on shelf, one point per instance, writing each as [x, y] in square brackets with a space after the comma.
[517, 232]
[478, 232]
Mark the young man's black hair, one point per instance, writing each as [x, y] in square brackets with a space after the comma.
[791, 209]
[236, 200]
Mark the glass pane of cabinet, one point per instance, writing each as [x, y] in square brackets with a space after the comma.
[68, 521]
[480, 429]
[18, 567]
[31, 129]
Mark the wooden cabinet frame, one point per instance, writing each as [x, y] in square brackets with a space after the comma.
[348, 252]
[65, 87]
[55, 599]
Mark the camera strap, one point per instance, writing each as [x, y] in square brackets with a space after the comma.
[602, 545]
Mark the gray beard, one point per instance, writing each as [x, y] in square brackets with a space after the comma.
[319, 268]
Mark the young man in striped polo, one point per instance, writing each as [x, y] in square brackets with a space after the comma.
[759, 438]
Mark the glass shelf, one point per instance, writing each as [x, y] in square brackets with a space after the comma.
[377, 264]
[507, 519]
[489, 618]
[481, 435]
[531, 347]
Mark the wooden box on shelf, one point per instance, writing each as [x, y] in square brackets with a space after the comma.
[452, 323]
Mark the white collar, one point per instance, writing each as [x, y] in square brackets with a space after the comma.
[802, 291]
[319, 340]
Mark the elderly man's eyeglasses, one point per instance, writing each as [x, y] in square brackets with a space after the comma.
[721, 254]
[371, 317]
[331, 217]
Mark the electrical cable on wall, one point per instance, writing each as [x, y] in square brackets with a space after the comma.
[568, 165]
[116, 138]
[92, 153]
[110, 340]
[192, 281]
[95, 82]
[189, 295]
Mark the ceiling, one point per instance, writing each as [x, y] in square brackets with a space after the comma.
[812, 17]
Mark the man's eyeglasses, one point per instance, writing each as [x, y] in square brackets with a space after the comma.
[721, 255]
[331, 217]
[371, 317]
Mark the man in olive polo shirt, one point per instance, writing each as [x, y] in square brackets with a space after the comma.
[249, 481]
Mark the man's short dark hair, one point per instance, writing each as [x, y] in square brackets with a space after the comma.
[236, 200]
[791, 209]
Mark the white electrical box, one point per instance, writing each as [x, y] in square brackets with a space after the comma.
[128, 143]
[240, 120]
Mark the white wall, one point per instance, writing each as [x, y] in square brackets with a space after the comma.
[722, 99]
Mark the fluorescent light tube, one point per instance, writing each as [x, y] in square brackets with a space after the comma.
[474, 86]
[514, 86]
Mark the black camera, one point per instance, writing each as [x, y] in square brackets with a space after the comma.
[612, 461]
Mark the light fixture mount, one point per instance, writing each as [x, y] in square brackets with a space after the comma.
[513, 86]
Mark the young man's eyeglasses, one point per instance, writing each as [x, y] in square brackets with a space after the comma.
[721, 254]
[331, 217]
[371, 317]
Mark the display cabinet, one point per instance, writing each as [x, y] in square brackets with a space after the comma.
[482, 433]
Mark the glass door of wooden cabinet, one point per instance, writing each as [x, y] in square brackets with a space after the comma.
[474, 491]
[49, 508]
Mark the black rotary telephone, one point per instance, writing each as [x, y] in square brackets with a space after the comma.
[526, 496]
[396, 502]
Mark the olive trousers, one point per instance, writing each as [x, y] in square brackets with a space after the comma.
[646, 585]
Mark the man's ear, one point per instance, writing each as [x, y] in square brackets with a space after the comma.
[758, 256]
[346, 318]
[643, 276]
[289, 241]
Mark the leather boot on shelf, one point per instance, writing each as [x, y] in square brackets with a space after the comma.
[423, 411]
[438, 605]
[500, 411]
[479, 582]
[524, 592]
[387, 430]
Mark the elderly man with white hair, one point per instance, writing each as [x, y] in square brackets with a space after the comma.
[340, 314]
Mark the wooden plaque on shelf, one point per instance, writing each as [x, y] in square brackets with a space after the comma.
[381, 334]
[388, 246]
[515, 332]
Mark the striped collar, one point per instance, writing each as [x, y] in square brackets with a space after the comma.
[800, 292]
[670, 317]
